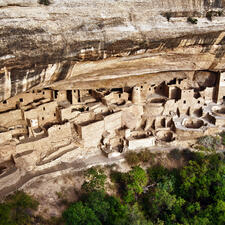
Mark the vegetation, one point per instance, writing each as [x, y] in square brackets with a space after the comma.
[222, 135]
[44, 2]
[17, 209]
[194, 194]
[168, 16]
[175, 154]
[210, 14]
[132, 183]
[94, 180]
[192, 20]
[135, 158]
[220, 13]
[208, 143]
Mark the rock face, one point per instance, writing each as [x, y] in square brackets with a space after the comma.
[105, 42]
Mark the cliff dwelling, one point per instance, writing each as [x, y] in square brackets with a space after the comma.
[101, 79]
[46, 125]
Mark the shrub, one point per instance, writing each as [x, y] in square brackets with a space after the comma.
[17, 209]
[108, 209]
[132, 158]
[79, 214]
[209, 15]
[145, 156]
[175, 154]
[168, 16]
[223, 137]
[187, 154]
[192, 20]
[220, 13]
[131, 184]
[157, 172]
[209, 143]
[94, 180]
[202, 148]
[44, 2]
[134, 182]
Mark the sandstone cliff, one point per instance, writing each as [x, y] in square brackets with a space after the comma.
[71, 42]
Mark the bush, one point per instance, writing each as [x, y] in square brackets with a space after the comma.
[132, 158]
[175, 154]
[94, 180]
[145, 156]
[202, 148]
[168, 16]
[209, 15]
[97, 208]
[157, 172]
[79, 214]
[223, 138]
[17, 209]
[44, 2]
[220, 13]
[131, 184]
[209, 143]
[192, 20]
[187, 154]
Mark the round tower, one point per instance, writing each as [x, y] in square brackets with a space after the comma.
[136, 95]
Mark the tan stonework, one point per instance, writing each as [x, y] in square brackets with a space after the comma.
[49, 126]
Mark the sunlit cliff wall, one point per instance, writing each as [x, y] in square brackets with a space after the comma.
[71, 42]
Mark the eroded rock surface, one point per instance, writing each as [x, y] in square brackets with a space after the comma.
[105, 40]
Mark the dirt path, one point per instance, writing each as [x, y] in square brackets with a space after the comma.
[75, 165]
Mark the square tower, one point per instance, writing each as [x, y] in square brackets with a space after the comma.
[221, 88]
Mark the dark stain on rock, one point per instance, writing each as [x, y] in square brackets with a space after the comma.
[222, 42]
[10, 31]
[64, 71]
[153, 44]
[99, 24]
[220, 52]
[214, 3]
[2, 81]
[31, 74]
[182, 14]
[172, 43]
[120, 46]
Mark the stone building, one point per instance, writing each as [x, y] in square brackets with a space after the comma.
[25, 98]
[221, 88]
[45, 114]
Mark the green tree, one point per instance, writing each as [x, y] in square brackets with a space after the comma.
[17, 209]
[79, 214]
[94, 180]
[136, 216]
[134, 182]
[108, 209]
